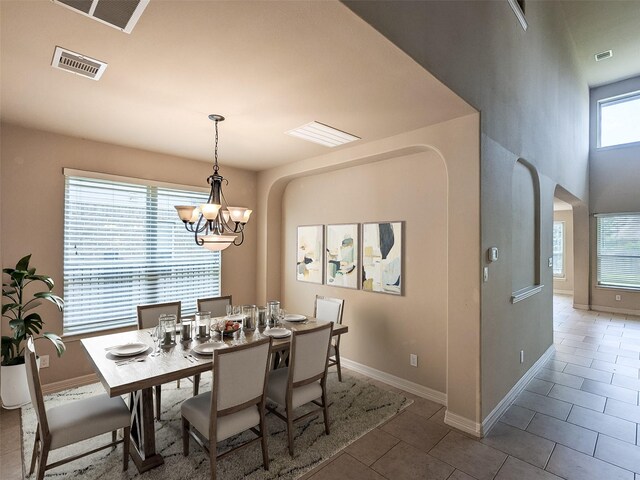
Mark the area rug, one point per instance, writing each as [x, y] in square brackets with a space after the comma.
[356, 408]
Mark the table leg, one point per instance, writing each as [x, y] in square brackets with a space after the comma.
[143, 435]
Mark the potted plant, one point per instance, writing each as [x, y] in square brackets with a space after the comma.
[18, 308]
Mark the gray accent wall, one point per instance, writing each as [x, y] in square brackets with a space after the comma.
[534, 105]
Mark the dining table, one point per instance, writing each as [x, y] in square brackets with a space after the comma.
[136, 376]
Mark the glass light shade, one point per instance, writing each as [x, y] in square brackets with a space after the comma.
[210, 210]
[186, 212]
[215, 243]
[194, 217]
[237, 213]
[247, 214]
[225, 215]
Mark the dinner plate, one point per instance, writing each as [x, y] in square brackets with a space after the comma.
[277, 332]
[128, 349]
[294, 317]
[209, 347]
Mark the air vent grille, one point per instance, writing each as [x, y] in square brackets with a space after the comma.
[603, 55]
[79, 64]
[120, 14]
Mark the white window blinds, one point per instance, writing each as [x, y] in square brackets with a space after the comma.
[619, 250]
[125, 246]
[558, 249]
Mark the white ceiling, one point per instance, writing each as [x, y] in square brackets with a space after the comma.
[597, 26]
[267, 67]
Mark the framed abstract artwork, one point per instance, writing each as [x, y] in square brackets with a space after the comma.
[382, 257]
[310, 247]
[341, 255]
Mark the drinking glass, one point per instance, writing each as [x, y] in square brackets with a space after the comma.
[157, 334]
[229, 310]
[281, 316]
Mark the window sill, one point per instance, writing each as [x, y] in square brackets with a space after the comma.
[561, 278]
[623, 289]
[77, 336]
[525, 293]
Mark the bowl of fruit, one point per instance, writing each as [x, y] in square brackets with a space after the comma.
[230, 327]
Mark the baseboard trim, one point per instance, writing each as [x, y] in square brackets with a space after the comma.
[463, 423]
[506, 402]
[55, 387]
[562, 292]
[579, 306]
[605, 309]
[401, 383]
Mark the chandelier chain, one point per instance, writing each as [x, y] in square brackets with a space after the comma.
[215, 152]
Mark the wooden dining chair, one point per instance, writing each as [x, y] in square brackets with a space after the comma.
[304, 380]
[73, 422]
[216, 305]
[235, 404]
[330, 310]
[148, 317]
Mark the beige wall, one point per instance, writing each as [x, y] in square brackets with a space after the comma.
[565, 285]
[33, 213]
[457, 143]
[386, 328]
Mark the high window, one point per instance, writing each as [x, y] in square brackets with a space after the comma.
[618, 250]
[619, 120]
[125, 246]
[558, 249]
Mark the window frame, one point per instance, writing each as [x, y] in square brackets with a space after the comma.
[151, 187]
[625, 97]
[562, 275]
[598, 283]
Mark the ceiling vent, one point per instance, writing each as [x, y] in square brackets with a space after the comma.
[120, 14]
[323, 134]
[603, 55]
[79, 64]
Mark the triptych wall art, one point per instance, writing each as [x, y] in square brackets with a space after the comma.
[367, 256]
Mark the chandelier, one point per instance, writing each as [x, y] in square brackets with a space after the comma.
[215, 224]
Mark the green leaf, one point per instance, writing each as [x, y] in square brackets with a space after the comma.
[31, 304]
[57, 342]
[51, 298]
[9, 306]
[23, 263]
[42, 278]
[18, 277]
[8, 271]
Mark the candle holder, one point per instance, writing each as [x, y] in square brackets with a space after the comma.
[186, 329]
[273, 309]
[168, 324]
[203, 324]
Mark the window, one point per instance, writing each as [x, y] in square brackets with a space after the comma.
[619, 120]
[125, 246]
[619, 250]
[558, 249]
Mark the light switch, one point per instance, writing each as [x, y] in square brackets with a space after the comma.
[492, 254]
[485, 274]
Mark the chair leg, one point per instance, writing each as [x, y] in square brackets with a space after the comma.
[178, 383]
[36, 446]
[325, 409]
[42, 459]
[289, 414]
[196, 384]
[185, 437]
[338, 365]
[125, 448]
[114, 437]
[213, 453]
[158, 397]
[263, 440]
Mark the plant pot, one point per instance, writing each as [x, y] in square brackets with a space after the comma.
[14, 389]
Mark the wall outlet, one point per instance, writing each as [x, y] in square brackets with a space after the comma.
[485, 274]
[618, 298]
[413, 359]
[44, 361]
[521, 356]
[550, 262]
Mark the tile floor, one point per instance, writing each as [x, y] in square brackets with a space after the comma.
[577, 420]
